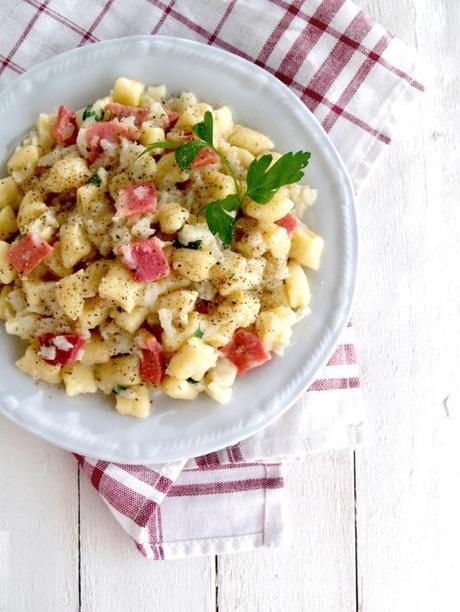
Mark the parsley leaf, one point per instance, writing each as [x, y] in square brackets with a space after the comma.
[95, 180]
[263, 182]
[97, 114]
[199, 333]
[119, 389]
[192, 381]
[204, 129]
[186, 153]
[195, 244]
[218, 219]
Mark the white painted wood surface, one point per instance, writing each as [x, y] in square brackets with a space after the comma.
[399, 551]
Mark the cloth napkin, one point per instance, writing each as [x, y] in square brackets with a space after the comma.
[356, 78]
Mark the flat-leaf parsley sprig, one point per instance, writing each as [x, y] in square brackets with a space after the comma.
[262, 181]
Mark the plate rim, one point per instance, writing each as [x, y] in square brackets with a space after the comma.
[353, 247]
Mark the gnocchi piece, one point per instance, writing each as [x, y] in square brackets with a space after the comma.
[9, 193]
[25, 326]
[172, 217]
[242, 306]
[79, 378]
[157, 93]
[277, 240]
[134, 401]
[274, 328]
[193, 360]
[128, 91]
[297, 287]
[223, 373]
[95, 312]
[178, 388]
[21, 164]
[193, 113]
[69, 294]
[94, 272]
[67, 173]
[74, 242]
[54, 262]
[130, 321]
[30, 209]
[172, 342]
[168, 173]
[45, 130]
[250, 139]
[118, 286]
[118, 371]
[306, 248]
[7, 272]
[41, 297]
[180, 303]
[278, 207]
[6, 309]
[191, 264]
[218, 185]
[96, 351]
[219, 381]
[223, 121]
[33, 365]
[151, 133]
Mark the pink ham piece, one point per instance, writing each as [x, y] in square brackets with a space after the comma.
[110, 132]
[60, 349]
[205, 157]
[152, 362]
[66, 129]
[289, 222]
[27, 253]
[145, 260]
[246, 351]
[136, 200]
[121, 111]
[173, 118]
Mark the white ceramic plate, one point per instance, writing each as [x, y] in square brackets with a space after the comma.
[88, 424]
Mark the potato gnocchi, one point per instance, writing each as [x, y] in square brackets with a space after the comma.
[109, 269]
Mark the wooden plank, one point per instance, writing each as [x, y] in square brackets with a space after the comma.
[408, 476]
[38, 524]
[115, 577]
[316, 571]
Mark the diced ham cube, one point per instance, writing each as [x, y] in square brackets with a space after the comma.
[202, 306]
[145, 260]
[100, 136]
[205, 157]
[121, 111]
[173, 118]
[60, 349]
[289, 222]
[152, 366]
[27, 253]
[66, 129]
[246, 351]
[136, 200]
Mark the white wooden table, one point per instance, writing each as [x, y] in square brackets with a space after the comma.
[378, 530]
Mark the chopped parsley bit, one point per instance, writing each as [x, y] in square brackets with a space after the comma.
[89, 111]
[119, 389]
[199, 333]
[195, 245]
[95, 180]
[192, 381]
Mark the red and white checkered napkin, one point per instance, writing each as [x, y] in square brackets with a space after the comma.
[355, 77]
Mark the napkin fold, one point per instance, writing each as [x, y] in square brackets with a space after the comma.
[357, 79]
